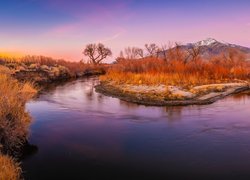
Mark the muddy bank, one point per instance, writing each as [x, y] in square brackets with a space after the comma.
[171, 95]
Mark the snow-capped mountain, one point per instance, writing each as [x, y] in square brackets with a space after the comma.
[206, 42]
[210, 47]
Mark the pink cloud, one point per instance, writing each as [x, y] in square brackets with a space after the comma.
[113, 37]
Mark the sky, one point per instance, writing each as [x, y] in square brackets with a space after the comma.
[62, 28]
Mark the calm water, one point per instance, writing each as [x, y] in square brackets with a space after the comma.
[81, 134]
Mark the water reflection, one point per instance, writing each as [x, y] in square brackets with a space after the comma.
[174, 113]
[244, 96]
[82, 134]
[128, 104]
[28, 150]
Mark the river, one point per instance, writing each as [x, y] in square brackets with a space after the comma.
[81, 134]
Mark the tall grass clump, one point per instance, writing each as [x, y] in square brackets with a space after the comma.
[14, 121]
[9, 168]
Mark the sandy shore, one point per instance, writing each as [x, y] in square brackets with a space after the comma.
[162, 95]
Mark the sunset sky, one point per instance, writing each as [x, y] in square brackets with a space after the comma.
[61, 28]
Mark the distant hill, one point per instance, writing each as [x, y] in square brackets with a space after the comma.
[211, 47]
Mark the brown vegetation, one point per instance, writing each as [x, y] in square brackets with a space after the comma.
[180, 68]
[43, 61]
[9, 169]
[176, 77]
[42, 69]
[14, 121]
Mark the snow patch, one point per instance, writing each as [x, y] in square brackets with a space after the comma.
[206, 42]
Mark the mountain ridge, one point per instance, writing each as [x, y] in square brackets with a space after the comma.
[211, 47]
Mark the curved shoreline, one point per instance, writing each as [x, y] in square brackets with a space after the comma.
[113, 91]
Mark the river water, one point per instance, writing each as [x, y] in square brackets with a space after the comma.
[81, 134]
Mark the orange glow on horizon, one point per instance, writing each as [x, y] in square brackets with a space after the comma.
[17, 54]
[10, 54]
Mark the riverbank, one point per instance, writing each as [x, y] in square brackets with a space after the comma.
[42, 70]
[14, 122]
[43, 76]
[162, 95]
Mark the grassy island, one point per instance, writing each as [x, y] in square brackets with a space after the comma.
[178, 79]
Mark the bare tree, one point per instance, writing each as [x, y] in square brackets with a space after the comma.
[176, 53]
[152, 49]
[121, 54]
[234, 57]
[163, 52]
[131, 53]
[97, 52]
[139, 52]
[194, 53]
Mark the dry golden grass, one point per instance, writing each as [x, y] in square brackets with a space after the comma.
[73, 67]
[153, 71]
[5, 70]
[9, 169]
[14, 120]
[155, 79]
